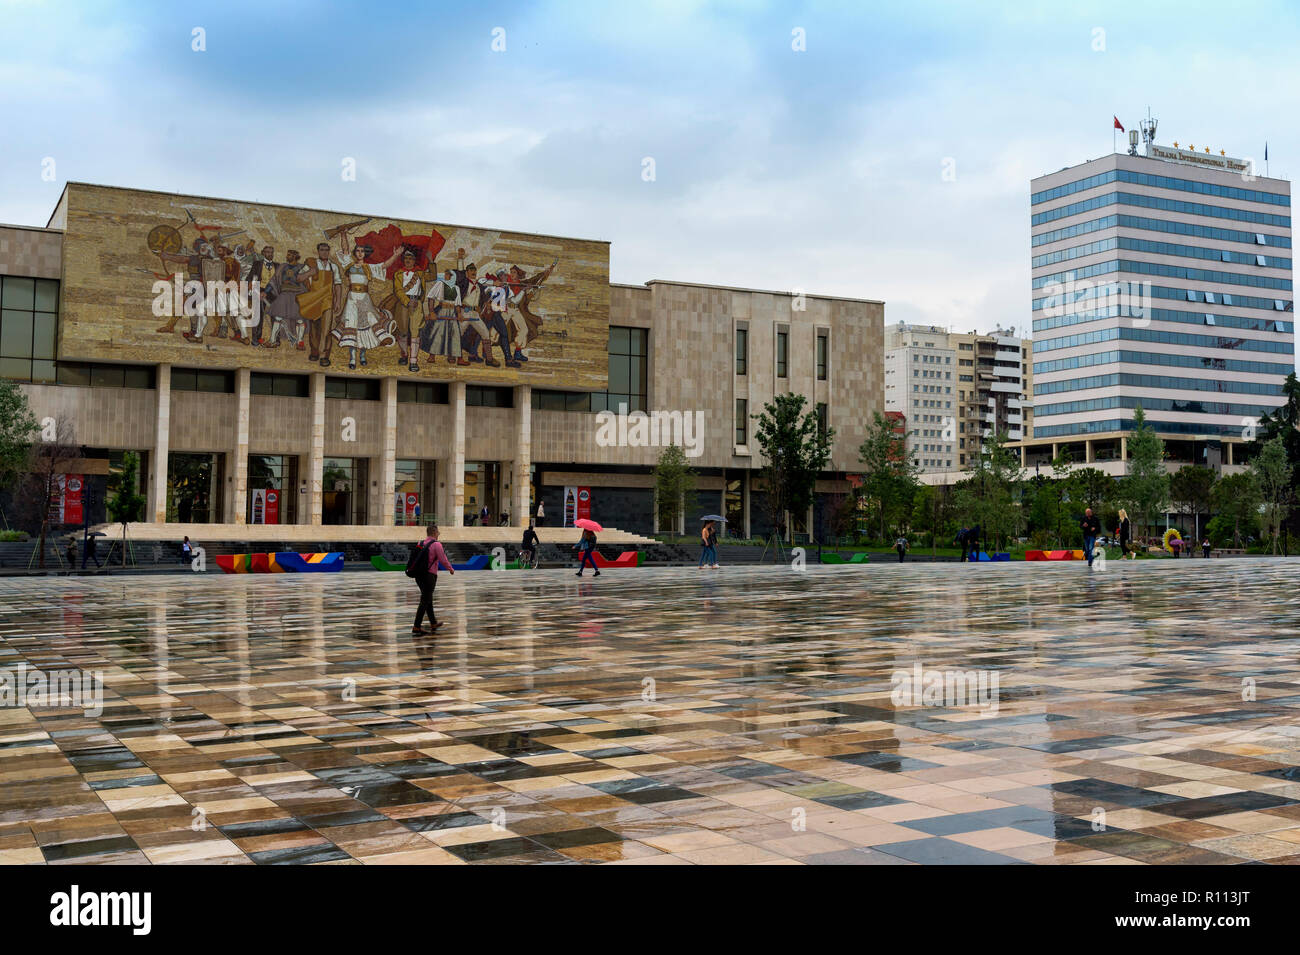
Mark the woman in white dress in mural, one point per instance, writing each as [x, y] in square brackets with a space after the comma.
[363, 325]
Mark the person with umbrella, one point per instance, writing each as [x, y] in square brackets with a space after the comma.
[587, 544]
[709, 540]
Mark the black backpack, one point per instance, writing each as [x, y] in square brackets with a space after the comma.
[418, 563]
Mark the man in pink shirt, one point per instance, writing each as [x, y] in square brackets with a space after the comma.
[429, 579]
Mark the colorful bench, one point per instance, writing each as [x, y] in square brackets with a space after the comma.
[629, 558]
[279, 563]
[477, 562]
[830, 557]
[1053, 555]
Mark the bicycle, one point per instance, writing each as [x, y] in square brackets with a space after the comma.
[527, 559]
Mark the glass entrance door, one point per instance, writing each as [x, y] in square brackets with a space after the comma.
[343, 487]
[482, 490]
[194, 483]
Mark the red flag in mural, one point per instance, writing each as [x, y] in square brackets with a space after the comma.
[383, 242]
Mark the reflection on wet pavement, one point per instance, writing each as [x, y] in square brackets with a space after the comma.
[868, 715]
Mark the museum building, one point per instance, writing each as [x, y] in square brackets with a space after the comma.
[279, 365]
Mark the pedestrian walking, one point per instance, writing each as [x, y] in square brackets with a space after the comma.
[187, 551]
[1176, 545]
[423, 569]
[1205, 547]
[708, 546]
[1091, 527]
[541, 513]
[963, 541]
[88, 552]
[587, 549]
[1125, 534]
[900, 545]
[71, 553]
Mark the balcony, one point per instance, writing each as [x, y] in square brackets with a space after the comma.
[1015, 434]
[1015, 419]
[1012, 387]
[1010, 356]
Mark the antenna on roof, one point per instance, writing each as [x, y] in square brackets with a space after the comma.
[1148, 133]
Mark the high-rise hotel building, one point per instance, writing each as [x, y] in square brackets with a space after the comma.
[1160, 280]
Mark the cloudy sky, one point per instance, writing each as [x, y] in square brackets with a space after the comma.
[820, 169]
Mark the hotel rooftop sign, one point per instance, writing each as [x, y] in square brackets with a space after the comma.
[1226, 163]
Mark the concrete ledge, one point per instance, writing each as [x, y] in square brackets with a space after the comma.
[364, 534]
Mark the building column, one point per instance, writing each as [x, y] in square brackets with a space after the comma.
[388, 462]
[1229, 445]
[519, 509]
[161, 439]
[316, 457]
[1088, 455]
[1123, 448]
[237, 499]
[456, 460]
[1056, 450]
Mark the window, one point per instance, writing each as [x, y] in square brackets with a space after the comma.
[357, 389]
[742, 351]
[192, 379]
[287, 386]
[85, 374]
[484, 396]
[421, 393]
[782, 354]
[628, 363]
[823, 356]
[29, 325]
[742, 422]
[544, 400]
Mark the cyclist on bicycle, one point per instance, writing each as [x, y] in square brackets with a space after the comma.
[528, 550]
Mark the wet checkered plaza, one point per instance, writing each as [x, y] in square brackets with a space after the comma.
[1144, 713]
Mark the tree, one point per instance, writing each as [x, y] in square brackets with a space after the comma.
[18, 429]
[1236, 499]
[1190, 488]
[889, 471]
[1146, 486]
[1092, 487]
[1273, 473]
[796, 451]
[989, 497]
[932, 512]
[1283, 422]
[842, 515]
[47, 462]
[127, 503]
[1061, 486]
[674, 485]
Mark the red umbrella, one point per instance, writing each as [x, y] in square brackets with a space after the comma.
[588, 525]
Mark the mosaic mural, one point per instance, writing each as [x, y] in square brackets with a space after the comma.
[158, 277]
